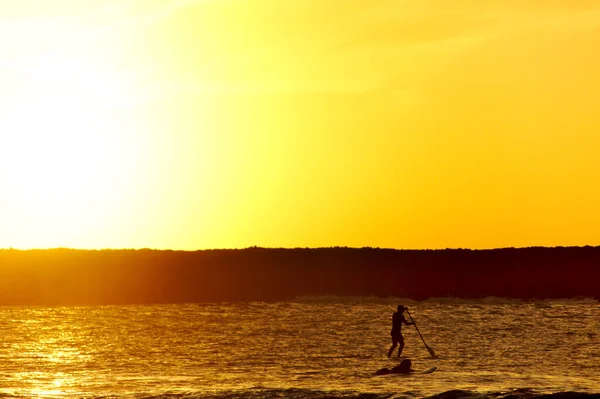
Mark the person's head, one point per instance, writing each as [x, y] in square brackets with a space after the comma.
[401, 308]
[405, 366]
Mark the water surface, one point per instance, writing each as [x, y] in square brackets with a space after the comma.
[310, 347]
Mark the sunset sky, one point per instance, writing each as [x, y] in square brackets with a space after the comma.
[193, 124]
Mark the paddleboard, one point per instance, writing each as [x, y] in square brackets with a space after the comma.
[431, 370]
[387, 372]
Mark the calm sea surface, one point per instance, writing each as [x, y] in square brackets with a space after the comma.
[307, 348]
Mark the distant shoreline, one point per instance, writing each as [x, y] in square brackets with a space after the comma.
[118, 276]
[336, 247]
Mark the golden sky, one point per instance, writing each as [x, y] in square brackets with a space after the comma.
[192, 124]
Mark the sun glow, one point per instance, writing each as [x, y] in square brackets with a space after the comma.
[203, 124]
[61, 151]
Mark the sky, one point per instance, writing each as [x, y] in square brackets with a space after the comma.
[196, 124]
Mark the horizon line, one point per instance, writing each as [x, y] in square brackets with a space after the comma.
[292, 248]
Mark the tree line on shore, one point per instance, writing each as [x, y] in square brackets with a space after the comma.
[82, 277]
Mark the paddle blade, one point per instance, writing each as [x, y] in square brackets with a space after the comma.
[431, 352]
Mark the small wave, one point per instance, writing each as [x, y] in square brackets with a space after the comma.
[352, 300]
[357, 356]
[260, 393]
[491, 300]
[573, 301]
[523, 393]
[297, 393]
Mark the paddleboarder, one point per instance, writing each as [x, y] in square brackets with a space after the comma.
[397, 320]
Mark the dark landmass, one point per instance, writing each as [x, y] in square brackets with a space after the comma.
[66, 276]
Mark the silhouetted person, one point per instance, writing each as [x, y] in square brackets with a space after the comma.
[397, 320]
[405, 367]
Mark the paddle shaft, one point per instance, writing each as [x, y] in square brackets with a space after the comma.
[415, 324]
[422, 339]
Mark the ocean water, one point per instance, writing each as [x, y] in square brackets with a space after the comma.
[323, 347]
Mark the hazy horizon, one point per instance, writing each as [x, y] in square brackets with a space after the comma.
[291, 247]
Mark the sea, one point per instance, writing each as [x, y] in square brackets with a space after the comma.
[306, 348]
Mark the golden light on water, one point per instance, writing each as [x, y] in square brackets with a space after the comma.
[135, 351]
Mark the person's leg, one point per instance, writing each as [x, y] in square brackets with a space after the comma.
[401, 341]
[394, 344]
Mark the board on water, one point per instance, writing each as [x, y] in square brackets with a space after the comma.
[386, 371]
[428, 371]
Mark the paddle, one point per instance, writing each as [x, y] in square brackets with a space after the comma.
[431, 352]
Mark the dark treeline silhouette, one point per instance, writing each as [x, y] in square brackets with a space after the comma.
[66, 276]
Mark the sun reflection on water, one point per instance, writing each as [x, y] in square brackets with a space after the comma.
[134, 351]
[50, 356]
